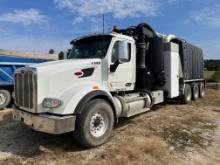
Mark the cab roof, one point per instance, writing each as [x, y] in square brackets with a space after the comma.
[114, 34]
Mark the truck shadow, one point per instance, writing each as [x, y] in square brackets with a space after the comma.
[18, 139]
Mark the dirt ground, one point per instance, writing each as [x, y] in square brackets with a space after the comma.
[169, 134]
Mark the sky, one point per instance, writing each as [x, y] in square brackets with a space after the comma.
[38, 25]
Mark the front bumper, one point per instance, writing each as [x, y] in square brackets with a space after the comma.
[45, 122]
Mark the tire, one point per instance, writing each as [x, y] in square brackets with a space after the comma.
[201, 90]
[195, 91]
[186, 98]
[5, 98]
[94, 124]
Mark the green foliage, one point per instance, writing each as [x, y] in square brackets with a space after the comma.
[209, 126]
[208, 74]
[212, 64]
[215, 77]
[182, 137]
[51, 51]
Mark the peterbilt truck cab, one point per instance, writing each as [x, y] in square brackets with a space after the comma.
[105, 77]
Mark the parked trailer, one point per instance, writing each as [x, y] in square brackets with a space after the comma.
[105, 77]
[8, 64]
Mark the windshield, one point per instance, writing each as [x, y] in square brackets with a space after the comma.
[91, 47]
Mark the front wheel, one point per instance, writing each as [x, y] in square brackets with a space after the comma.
[5, 98]
[94, 124]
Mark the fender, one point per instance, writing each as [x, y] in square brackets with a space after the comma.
[94, 94]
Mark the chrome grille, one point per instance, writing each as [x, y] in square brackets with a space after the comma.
[25, 89]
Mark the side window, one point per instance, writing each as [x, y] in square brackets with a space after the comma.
[116, 50]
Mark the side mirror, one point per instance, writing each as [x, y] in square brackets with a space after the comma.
[123, 55]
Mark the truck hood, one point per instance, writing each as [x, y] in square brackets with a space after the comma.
[56, 78]
[65, 64]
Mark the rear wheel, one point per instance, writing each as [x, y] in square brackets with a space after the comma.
[94, 124]
[201, 90]
[195, 91]
[187, 96]
[5, 98]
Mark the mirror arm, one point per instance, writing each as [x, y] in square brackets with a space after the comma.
[114, 66]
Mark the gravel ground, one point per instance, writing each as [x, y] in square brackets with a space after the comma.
[169, 134]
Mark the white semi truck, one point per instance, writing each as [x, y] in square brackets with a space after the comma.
[105, 77]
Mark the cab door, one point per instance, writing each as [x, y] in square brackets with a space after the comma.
[122, 66]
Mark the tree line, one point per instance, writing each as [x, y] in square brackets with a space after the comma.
[212, 64]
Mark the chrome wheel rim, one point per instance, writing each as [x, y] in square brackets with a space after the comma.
[98, 125]
[202, 90]
[189, 95]
[2, 99]
[196, 90]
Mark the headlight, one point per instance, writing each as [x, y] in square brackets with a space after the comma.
[51, 103]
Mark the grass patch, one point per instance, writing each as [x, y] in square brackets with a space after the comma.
[208, 74]
[209, 126]
[181, 138]
[212, 76]
[151, 149]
